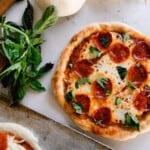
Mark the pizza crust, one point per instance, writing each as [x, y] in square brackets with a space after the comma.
[114, 132]
[21, 132]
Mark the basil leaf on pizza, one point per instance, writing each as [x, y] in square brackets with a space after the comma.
[95, 51]
[102, 82]
[118, 100]
[122, 72]
[125, 37]
[78, 108]
[69, 96]
[131, 121]
[131, 85]
[81, 82]
[106, 89]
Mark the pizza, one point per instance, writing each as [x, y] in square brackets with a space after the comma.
[103, 80]
[16, 137]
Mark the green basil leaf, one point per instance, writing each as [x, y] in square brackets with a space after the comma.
[108, 92]
[131, 121]
[125, 37]
[78, 108]
[131, 86]
[21, 92]
[82, 81]
[36, 41]
[95, 51]
[47, 67]
[15, 25]
[34, 56]
[48, 19]
[31, 74]
[2, 19]
[102, 82]
[27, 18]
[118, 101]
[6, 72]
[17, 92]
[69, 96]
[36, 85]
[122, 72]
[104, 40]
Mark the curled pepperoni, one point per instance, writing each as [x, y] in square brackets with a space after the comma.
[102, 40]
[141, 51]
[102, 117]
[100, 92]
[84, 101]
[118, 52]
[3, 141]
[142, 101]
[137, 74]
[83, 68]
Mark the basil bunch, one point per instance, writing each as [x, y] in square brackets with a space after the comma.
[21, 46]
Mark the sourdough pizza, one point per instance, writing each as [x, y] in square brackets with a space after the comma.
[103, 80]
[17, 137]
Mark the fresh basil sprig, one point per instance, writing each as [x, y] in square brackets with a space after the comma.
[21, 46]
[48, 19]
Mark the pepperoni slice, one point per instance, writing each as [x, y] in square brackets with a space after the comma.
[102, 117]
[102, 40]
[3, 141]
[118, 52]
[84, 101]
[142, 101]
[83, 68]
[141, 51]
[137, 74]
[101, 92]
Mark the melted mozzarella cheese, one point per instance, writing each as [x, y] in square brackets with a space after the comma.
[12, 145]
